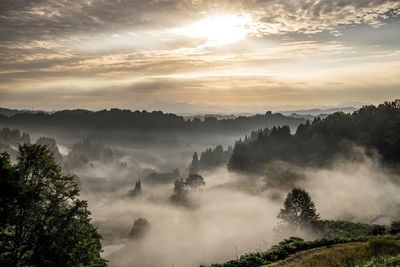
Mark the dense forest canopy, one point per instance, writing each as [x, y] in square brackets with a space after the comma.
[375, 128]
[138, 126]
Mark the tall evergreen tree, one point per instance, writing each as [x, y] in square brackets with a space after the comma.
[194, 165]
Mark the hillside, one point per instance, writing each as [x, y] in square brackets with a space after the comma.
[295, 252]
[374, 128]
[350, 254]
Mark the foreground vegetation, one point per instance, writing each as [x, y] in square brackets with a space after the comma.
[331, 252]
[42, 222]
[375, 251]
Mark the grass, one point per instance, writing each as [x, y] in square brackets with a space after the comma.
[295, 252]
[383, 261]
[375, 251]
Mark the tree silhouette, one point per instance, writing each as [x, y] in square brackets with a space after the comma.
[194, 165]
[182, 187]
[140, 228]
[42, 222]
[299, 210]
[375, 128]
[137, 191]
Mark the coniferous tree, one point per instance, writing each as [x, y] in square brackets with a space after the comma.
[194, 165]
[139, 229]
[137, 191]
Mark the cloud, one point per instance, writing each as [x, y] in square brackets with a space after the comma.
[48, 18]
[78, 44]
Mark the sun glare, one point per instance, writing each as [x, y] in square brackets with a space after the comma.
[219, 30]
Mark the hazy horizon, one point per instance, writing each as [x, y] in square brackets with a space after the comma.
[191, 109]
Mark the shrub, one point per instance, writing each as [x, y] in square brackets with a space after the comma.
[380, 246]
[378, 230]
[395, 228]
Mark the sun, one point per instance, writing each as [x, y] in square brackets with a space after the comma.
[219, 30]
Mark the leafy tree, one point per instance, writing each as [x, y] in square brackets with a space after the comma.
[181, 191]
[42, 222]
[195, 181]
[299, 210]
[183, 186]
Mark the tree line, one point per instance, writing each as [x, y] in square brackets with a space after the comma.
[137, 126]
[375, 128]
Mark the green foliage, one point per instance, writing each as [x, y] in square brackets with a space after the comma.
[378, 230]
[317, 143]
[44, 223]
[343, 229]
[374, 247]
[385, 260]
[382, 246]
[395, 228]
[299, 210]
[281, 251]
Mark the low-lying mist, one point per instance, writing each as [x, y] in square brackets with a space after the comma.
[362, 190]
[231, 215]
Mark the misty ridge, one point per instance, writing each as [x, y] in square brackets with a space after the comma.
[140, 127]
[165, 191]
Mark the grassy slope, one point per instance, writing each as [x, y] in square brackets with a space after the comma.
[350, 254]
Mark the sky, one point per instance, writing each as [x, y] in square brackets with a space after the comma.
[227, 56]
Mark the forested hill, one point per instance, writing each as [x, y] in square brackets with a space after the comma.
[376, 128]
[126, 122]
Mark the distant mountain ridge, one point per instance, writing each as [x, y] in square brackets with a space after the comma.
[319, 111]
[11, 112]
